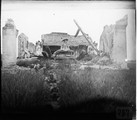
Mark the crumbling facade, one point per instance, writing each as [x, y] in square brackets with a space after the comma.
[90, 49]
[119, 50]
[22, 44]
[113, 40]
[9, 34]
[25, 48]
[55, 38]
[106, 39]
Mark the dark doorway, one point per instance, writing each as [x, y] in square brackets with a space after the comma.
[53, 48]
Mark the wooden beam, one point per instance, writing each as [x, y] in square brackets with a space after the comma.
[79, 28]
[77, 33]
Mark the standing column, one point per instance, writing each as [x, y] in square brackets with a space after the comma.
[131, 37]
[119, 51]
[9, 34]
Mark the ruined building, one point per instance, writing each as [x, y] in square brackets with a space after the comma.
[22, 44]
[31, 47]
[54, 41]
[106, 39]
[9, 34]
[113, 40]
[38, 48]
[119, 50]
[25, 48]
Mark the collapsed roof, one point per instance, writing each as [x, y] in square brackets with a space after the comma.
[55, 38]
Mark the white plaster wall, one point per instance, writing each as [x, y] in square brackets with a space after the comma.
[119, 53]
[131, 37]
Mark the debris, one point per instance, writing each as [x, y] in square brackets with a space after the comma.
[86, 37]
[37, 67]
[82, 55]
[91, 51]
[28, 62]
[104, 61]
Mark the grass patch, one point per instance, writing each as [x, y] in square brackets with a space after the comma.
[26, 88]
[91, 82]
[111, 88]
[23, 90]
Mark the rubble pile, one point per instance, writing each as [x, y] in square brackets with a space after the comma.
[29, 62]
[112, 49]
[105, 60]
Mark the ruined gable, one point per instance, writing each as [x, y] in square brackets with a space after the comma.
[119, 50]
[55, 38]
[113, 40]
[106, 39]
[22, 44]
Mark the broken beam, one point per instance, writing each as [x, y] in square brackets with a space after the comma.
[77, 33]
[79, 28]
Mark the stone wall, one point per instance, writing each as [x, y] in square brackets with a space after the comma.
[31, 47]
[119, 50]
[106, 39]
[9, 34]
[22, 44]
[113, 40]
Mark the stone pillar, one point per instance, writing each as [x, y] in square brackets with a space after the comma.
[9, 34]
[119, 51]
[131, 37]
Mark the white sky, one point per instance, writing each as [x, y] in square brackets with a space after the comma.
[35, 19]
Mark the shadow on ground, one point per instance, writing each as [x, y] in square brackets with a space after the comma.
[97, 107]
